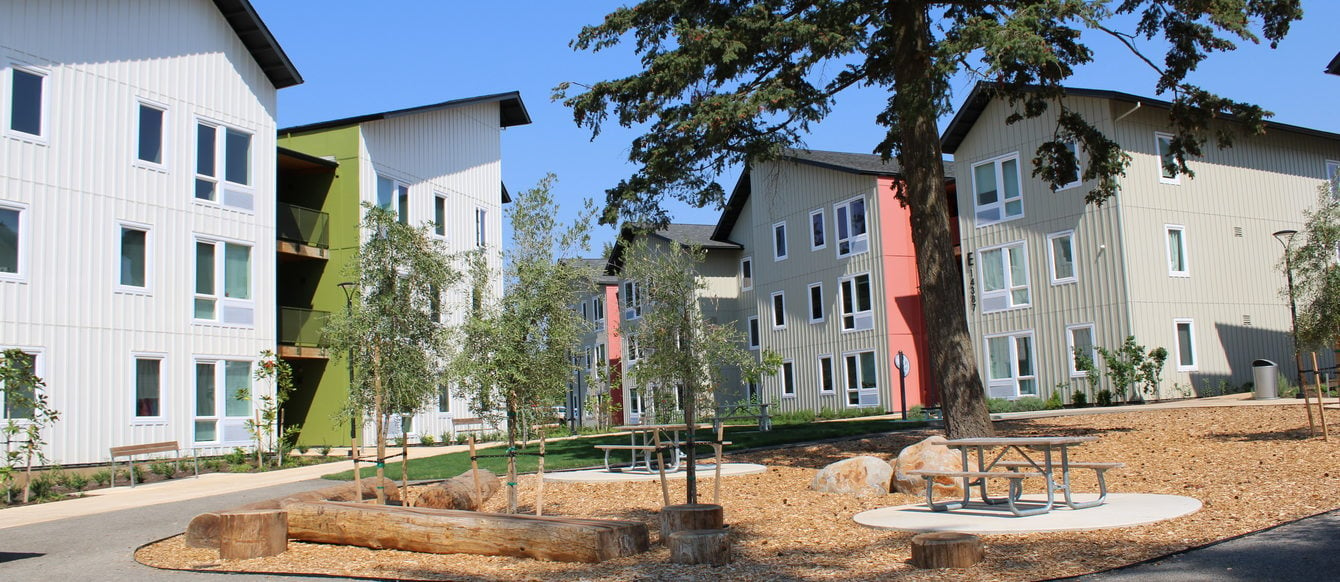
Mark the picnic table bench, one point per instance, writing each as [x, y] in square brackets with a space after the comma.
[743, 412]
[132, 451]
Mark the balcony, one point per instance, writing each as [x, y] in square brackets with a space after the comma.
[300, 332]
[302, 232]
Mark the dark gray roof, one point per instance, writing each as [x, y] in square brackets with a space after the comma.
[685, 234]
[983, 93]
[241, 15]
[1334, 67]
[511, 111]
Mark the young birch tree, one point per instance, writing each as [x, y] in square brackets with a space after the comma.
[683, 354]
[397, 345]
[28, 413]
[725, 82]
[516, 350]
[1316, 277]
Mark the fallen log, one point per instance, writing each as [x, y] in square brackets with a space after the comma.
[460, 492]
[203, 531]
[449, 531]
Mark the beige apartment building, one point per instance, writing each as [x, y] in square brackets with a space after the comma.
[1186, 263]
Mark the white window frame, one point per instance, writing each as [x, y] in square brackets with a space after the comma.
[1001, 202]
[1167, 245]
[481, 227]
[220, 300]
[1051, 258]
[24, 242]
[444, 395]
[832, 375]
[788, 378]
[400, 197]
[598, 306]
[44, 117]
[822, 230]
[854, 244]
[1159, 138]
[1010, 285]
[161, 417]
[1070, 347]
[860, 391]
[753, 332]
[780, 253]
[440, 222]
[746, 282]
[632, 347]
[221, 396]
[163, 135]
[39, 358]
[631, 294]
[777, 311]
[823, 313]
[222, 185]
[1177, 343]
[1015, 377]
[120, 287]
[1079, 168]
[860, 320]
[1332, 170]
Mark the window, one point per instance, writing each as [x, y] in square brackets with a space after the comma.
[818, 237]
[134, 258]
[27, 103]
[18, 399]
[1061, 257]
[862, 379]
[435, 303]
[849, 218]
[826, 383]
[1078, 176]
[1005, 278]
[222, 401]
[1177, 263]
[440, 215]
[443, 398]
[598, 309]
[996, 189]
[778, 310]
[227, 148]
[1186, 345]
[634, 351]
[1167, 163]
[789, 379]
[481, 228]
[632, 300]
[1079, 342]
[600, 357]
[393, 195]
[856, 303]
[816, 302]
[1333, 170]
[148, 387]
[150, 147]
[779, 241]
[11, 242]
[1010, 369]
[753, 332]
[751, 391]
[746, 274]
[223, 282]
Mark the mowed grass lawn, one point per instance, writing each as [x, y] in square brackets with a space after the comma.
[581, 452]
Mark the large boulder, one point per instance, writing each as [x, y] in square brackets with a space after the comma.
[864, 475]
[928, 455]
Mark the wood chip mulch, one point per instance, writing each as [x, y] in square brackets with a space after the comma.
[1253, 467]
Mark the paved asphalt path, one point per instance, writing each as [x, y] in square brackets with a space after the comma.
[100, 547]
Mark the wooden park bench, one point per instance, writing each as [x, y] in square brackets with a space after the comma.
[132, 451]
[469, 425]
[754, 412]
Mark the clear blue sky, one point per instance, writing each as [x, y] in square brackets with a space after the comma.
[364, 57]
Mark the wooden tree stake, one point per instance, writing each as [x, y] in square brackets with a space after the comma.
[660, 467]
[1321, 407]
[716, 480]
[474, 471]
[539, 473]
[946, 549]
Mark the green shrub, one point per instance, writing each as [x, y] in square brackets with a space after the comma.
[102, 477]
[427, 440]
[1079, 399]
[1104, 397]
[324, 450]
[302, 449]
[1054, 401]
[41, 487]
[164, 470]
[75, 482]
[237, 457]
[794, 417]
[138, 471]
[916, 413]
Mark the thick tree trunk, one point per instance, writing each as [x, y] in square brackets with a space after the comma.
[951, 352]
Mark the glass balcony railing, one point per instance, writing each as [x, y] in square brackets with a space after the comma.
[303, 226]
[301, 327]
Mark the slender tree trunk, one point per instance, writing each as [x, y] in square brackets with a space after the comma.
[690, 402]
[951, 352]
[511, 447]
[381, 423]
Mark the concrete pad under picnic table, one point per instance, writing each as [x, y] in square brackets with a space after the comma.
[705, 470]
[1120, 510]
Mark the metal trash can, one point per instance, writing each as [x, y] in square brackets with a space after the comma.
[1265, 377]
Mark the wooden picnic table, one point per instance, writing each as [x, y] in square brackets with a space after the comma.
[1055, 458]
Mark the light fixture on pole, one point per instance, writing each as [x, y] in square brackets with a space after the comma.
[1286, 238]
[348, 288]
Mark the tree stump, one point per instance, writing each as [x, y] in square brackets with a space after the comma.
[700, 546]
[946, 549]
[689, 516]
[252, 534]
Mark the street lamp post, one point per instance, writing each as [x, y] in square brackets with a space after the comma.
[348, 288]
[1286, 238]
